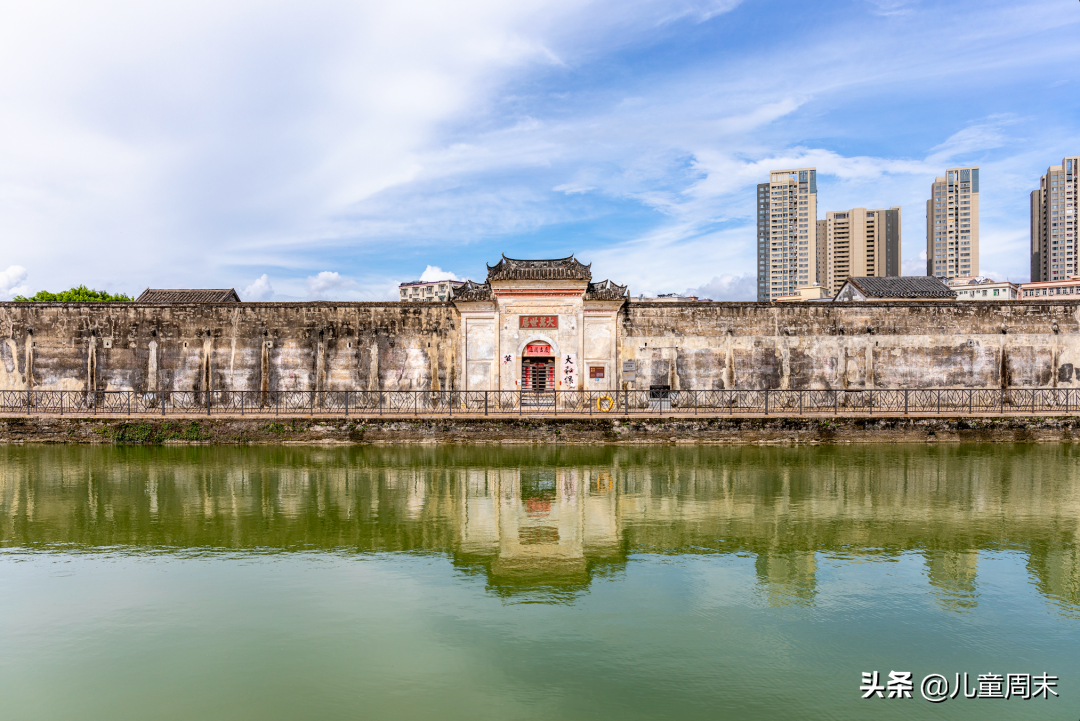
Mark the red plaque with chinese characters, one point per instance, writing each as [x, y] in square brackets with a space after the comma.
[538, 322]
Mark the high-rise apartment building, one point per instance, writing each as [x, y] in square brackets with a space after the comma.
[860, 243]
[1053, 223]
[952, 224]
[787, 232]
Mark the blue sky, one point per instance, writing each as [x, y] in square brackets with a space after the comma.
[328, 149]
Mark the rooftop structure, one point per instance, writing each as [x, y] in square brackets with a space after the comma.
[982, 288]
[813, 292]
[188, 295]
[909, 287]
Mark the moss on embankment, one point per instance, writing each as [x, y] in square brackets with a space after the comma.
[555, 430]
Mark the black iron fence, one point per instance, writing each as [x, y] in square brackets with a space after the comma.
[552, 403]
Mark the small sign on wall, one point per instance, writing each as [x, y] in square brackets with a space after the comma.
[534, 322]
[596, 372]
[569, 371]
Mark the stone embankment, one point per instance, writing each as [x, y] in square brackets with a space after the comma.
[537, 431]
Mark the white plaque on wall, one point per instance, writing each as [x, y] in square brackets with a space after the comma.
[569, 371]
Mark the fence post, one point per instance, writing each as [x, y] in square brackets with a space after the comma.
[415, 403]
[62, 402]
[905, 402]
[800, 402]
[971, 405]
[766, 401]
[871, 402]
[241, 402]
[380, 403]
[1002, 401]
[836, 402]
[346, 404]
[1066, 402]
[939, 401]
[28, 401]
[486, 402]
[1032, 401]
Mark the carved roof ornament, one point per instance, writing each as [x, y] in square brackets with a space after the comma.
[473, 291]
[606, 290]
[556, 269]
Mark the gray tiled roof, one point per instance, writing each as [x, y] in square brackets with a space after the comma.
[555, 269]
[908, 286]
[474, 291]
[188, 295]
[605, 290]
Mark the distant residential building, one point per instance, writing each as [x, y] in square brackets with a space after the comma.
[981, 288]
[438, 290]
[814, 292]
[188, 295]
[861, 243]
[908, 287]
[674, 298]
[952, 224]
[1066, 286]
[787, 238]
[1054, 246]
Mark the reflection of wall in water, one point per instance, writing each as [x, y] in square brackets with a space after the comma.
[554, 513]
[952, 574]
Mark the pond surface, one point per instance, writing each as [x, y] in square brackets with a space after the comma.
[536, 583]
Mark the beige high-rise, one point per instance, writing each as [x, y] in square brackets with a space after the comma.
[952, 224]
[861, 243]
[1054, 223]
[787, 233]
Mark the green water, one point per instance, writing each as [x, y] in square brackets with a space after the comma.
[553, 583]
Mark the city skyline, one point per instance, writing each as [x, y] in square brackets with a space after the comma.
[296, 159]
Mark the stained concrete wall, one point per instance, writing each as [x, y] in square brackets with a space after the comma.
[393, 346]
[852, 345]
[247, 346]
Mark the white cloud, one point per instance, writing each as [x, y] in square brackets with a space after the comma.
[727, 287]
[434, 272]
[10, 280]
[329, 285]
[260, 290]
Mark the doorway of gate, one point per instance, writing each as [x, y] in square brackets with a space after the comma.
[537, 373]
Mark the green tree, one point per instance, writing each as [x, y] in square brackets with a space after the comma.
[81, 294]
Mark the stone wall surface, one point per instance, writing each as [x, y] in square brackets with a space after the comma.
[247, 346]
[852, 345]
[395, 346]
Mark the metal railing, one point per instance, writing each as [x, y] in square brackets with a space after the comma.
[953, 401]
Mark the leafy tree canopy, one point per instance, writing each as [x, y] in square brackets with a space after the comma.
[81, 294]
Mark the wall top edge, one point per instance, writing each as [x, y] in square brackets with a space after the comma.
[859, 304]
[275, 304]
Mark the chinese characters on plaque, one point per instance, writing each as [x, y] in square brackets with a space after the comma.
[569, 372]
[537, 322]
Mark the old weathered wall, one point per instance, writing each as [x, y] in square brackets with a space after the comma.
[392, 346]
[247, 346]
[852, 345]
